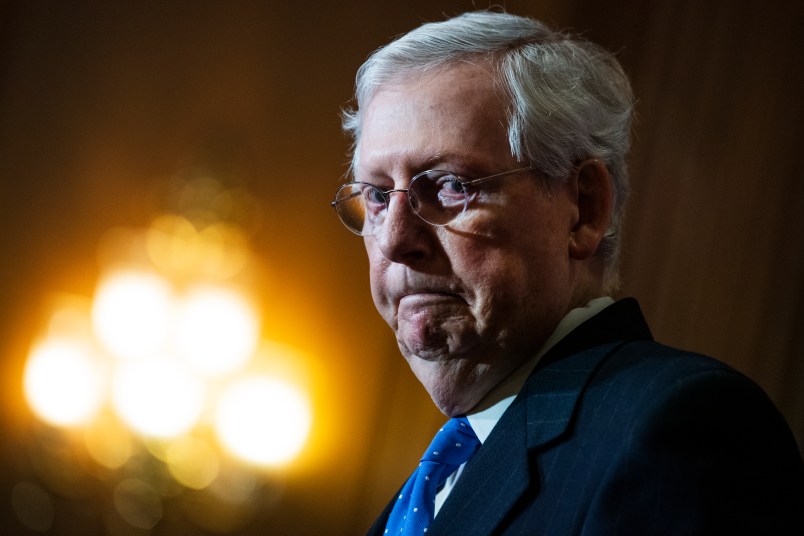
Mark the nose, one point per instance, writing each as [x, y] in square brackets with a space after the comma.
[403, 237]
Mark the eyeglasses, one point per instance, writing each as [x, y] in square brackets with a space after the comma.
[437, 197]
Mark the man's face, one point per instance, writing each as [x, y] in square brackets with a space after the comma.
[471, 301]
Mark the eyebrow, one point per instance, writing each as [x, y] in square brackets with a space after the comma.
[462, 160]
[459, 163]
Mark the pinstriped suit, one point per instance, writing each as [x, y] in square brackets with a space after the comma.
[616, 434]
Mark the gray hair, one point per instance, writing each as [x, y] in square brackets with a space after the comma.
[569, 99]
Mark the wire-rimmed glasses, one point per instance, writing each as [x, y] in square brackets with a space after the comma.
[437, 197]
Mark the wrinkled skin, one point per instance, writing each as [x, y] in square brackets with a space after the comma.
[471, 301]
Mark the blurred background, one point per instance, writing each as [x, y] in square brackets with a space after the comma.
[187, 341]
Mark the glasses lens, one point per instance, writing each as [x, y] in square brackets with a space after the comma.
[438, 197]
[360, 207]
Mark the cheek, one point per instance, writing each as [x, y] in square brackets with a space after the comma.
[500, 280]
[509, 276]
[378, 275]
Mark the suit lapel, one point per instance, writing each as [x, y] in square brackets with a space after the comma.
[491, 482]
[499, 473]
[552, 393]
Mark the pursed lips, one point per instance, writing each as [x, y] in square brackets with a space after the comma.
[413, 290]
[422, 298]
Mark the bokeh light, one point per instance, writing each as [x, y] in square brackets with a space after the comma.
[138, 503]
[157, 397]
[131, 313]
[63, 381]
[108, 442]
[163, 378]
[217, 329]
[193, 462]
[263, 420]
[178, 248]
[33, 506]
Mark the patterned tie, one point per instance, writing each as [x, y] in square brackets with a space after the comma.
[452, 446]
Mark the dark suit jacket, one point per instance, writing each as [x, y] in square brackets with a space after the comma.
[614, 433]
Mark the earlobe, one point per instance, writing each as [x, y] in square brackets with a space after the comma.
[594, 191]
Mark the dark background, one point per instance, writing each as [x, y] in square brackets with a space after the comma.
[101, 102]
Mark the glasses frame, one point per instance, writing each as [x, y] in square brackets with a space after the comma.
[386, 194]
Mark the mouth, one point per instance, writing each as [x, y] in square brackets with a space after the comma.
[423, 297]
[424, 304]
[414, 292]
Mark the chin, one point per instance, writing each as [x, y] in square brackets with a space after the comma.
[455, 386]
[450, 405]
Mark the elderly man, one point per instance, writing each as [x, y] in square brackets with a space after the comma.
[489, 184]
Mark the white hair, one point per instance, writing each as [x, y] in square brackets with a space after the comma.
[569, 99]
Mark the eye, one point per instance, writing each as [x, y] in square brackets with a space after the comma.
[373, 197]
[450, 189]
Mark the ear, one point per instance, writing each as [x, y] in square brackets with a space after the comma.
[594, 190]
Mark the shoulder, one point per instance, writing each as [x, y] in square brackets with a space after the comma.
[693, 435]
[652, 358]
[664, 388]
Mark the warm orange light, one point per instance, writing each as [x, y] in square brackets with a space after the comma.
[192, 462]
[217, 329]
[176, 247]
[63, 381]
[108, 442]
[131, 313]
[157, 397]
[263, 420]
[161, 354]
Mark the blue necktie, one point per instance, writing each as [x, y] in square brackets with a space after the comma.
[414, 510]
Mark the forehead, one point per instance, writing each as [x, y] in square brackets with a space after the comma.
[452, 113]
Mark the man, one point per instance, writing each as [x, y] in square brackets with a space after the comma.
[489, 185]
